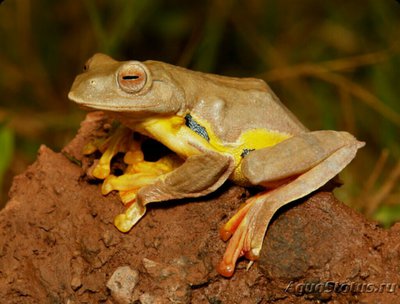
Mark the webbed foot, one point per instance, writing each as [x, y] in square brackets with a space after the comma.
[138, 173]
[247, 230]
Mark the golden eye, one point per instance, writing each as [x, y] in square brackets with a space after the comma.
[132, 77]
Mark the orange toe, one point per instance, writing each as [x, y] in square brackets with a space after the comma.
[226, 270]
[251, 256]
[224, 234]
[231, 226]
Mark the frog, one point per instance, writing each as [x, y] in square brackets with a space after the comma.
[223, 128]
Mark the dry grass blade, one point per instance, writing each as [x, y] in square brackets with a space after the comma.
[254, 41]
[384, 190]
[364, 200]
[347, 111]
[34, 71]
[353, 62]
[336, 65]
[393, 199]
[362, 94]
[342, 82]
[376, 171]
[190, 48]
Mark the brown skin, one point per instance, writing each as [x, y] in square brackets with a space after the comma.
[233, 111]
[230, 105]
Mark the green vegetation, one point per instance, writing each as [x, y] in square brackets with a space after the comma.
[6, 150]
[334, 64]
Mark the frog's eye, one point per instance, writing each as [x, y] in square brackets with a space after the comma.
[87, 65]
[132, 77]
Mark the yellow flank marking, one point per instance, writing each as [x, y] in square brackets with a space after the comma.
[173, 133]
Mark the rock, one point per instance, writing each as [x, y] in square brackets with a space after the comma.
[147, 298]
[171, 280]
[76, 283]
[324, 234]
[122, 283]
[58, 244]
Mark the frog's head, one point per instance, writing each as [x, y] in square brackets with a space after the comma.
[141, 89]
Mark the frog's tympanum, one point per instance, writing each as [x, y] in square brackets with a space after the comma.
[219, 128]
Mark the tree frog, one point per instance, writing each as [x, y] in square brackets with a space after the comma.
[224, 128]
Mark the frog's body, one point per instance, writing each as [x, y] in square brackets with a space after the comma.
[187, 141]
[216, 123]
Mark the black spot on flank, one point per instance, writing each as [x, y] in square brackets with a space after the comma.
[196, 127]
[245, 152]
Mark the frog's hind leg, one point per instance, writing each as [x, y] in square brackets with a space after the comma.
[319, 156]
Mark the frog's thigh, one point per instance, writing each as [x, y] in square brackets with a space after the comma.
[293, 156]
[324, 153]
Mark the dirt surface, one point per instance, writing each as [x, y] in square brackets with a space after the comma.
[59, 245]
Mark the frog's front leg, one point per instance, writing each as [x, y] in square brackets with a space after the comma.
[299, 165]
[197, 176]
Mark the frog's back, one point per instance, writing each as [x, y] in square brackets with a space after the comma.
[237, 105]
[231, 105]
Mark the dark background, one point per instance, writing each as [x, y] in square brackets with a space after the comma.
[335, 64]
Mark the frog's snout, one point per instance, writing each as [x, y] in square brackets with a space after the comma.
[73, 92]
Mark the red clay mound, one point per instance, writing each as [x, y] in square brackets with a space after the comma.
[59, 245]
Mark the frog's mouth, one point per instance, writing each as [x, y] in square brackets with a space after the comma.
[114, 107]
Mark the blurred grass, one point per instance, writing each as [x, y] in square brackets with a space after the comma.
[6, 150]
[334, 64]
